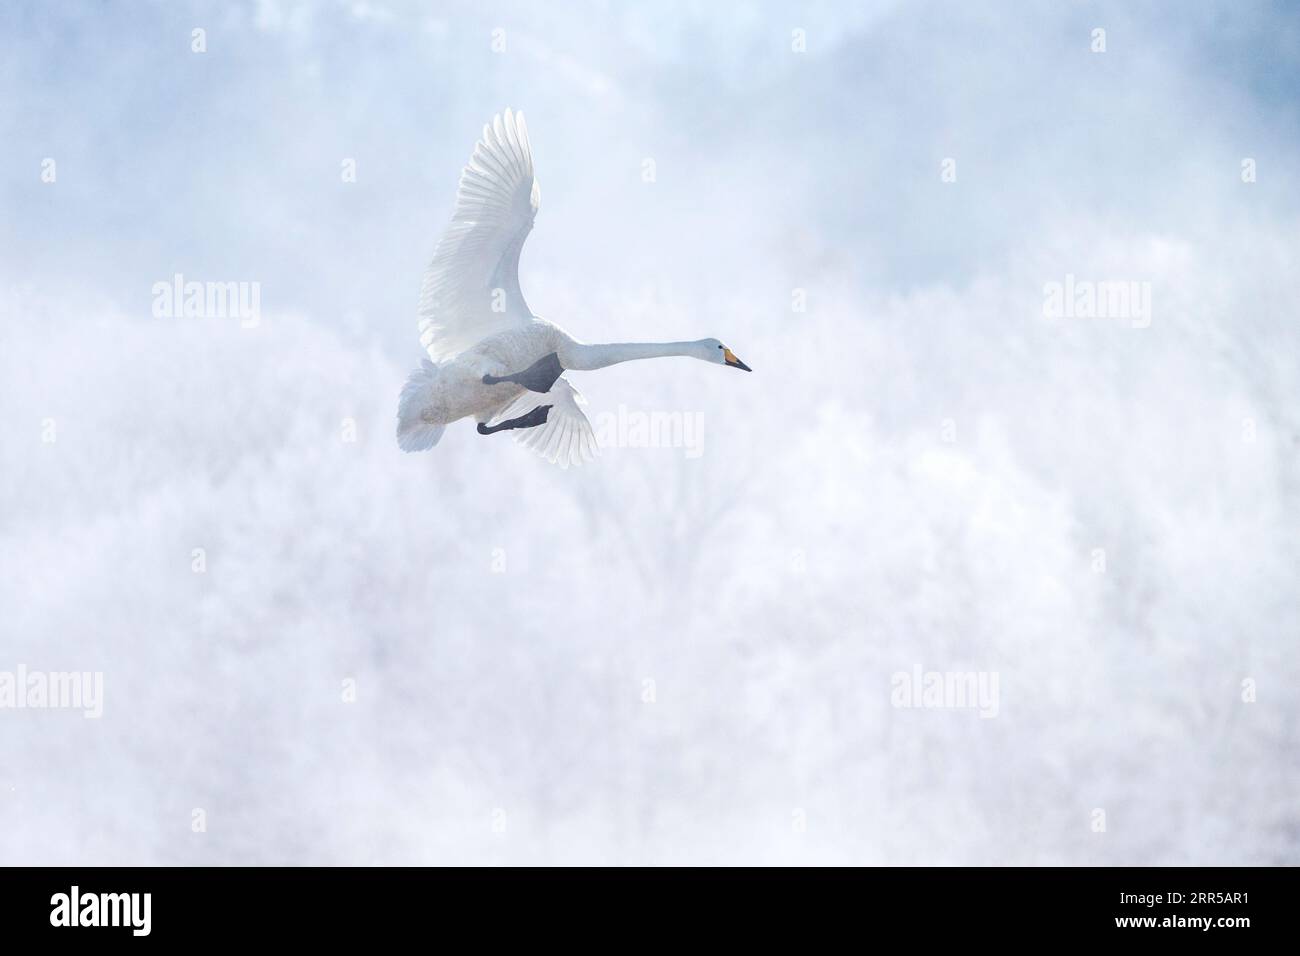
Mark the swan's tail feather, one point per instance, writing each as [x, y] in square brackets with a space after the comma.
[414, 433]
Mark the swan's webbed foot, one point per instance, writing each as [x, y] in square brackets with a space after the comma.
[538, 377]
[534, 418]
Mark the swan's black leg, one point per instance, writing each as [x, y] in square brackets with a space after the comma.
[534, 418]
[538, 377]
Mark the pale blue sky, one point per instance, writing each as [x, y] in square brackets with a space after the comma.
[227, 163]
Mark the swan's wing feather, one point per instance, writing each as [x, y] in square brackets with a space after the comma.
[471, 288]
[567, 437]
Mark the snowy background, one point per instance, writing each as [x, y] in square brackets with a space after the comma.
[661, 658]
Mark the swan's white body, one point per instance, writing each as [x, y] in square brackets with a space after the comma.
[474, 320]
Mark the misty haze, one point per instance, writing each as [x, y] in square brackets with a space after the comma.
[992, 559]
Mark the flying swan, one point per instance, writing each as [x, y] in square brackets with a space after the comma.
[490, 358]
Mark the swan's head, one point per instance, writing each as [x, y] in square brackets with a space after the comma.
[711, 350]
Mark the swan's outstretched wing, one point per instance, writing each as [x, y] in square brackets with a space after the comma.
[471, 288]
[567, 437]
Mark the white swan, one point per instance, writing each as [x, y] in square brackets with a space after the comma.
[491, 358]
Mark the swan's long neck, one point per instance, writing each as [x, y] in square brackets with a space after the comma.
[584, 358]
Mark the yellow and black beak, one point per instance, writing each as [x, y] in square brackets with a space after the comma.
[733, 361]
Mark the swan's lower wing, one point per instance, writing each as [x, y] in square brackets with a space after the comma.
[567, 437]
